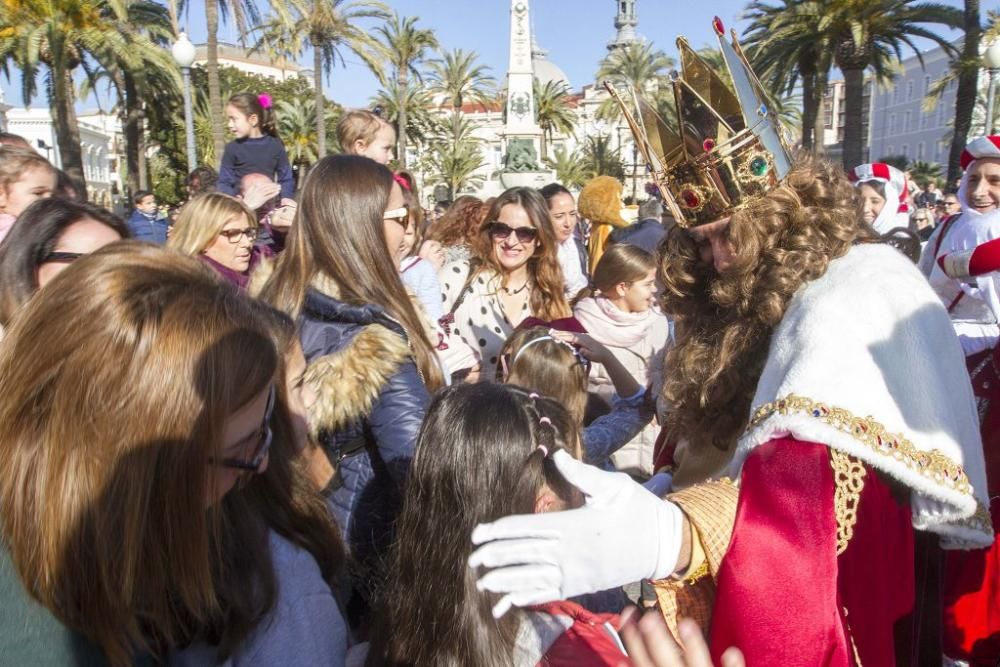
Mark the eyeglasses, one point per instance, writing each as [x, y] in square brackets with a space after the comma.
[400, 216]
[264, 438]
[499, 231]
[62, 257]
[234, 235]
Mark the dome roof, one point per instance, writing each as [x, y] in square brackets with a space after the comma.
[546, 70]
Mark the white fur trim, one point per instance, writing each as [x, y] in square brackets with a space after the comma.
[956, 264]
[871, 340]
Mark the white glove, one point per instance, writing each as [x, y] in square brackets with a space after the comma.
[622, 534]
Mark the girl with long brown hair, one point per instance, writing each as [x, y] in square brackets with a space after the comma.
[514, 274]
[475, 465]
[156, 394]
[370, 362]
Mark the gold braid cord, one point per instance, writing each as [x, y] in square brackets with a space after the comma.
[849, 479]
[710, 507]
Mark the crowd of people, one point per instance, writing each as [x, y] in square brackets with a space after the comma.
[750, 422]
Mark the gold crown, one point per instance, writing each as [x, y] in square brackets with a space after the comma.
[725, 149]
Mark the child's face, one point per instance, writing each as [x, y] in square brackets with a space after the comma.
[240, 124]
[34, 184]
[381, 148]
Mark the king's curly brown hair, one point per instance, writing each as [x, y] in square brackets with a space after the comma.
[724, 322]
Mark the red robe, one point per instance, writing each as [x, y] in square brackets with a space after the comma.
[784, 596]
[972, 578]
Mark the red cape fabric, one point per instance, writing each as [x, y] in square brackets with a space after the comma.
[783, 591]
[972, 578]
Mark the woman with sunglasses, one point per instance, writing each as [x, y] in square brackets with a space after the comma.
[220, 230]
[173, 524]
[514, 274]
[48, 236]
[370, 362]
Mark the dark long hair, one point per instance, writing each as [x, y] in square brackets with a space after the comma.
[548, 299]
[32, 238]
[471, 465]
[339, 233]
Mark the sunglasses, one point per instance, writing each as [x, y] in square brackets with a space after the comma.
[499, 231]
[234, 235]
[400, 216]
[264, 438]
[62, 257]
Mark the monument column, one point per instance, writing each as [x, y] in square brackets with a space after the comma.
[521, 133]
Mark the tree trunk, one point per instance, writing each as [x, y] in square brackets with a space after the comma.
[401, 89]
[819, 126]
[544, 146]
[216, 111]
[965, 97]
[854, 87]
[63, 112]
[141, 144]
[320, 104]
[810, 109]
[131, 132]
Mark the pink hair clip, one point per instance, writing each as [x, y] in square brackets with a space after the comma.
[545, 451]
[545, 420]
[265, 100]
[402, 182]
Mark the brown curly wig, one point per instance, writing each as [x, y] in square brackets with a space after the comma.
[724, 322]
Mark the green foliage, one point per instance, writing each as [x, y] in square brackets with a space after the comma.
[900, 162]
[454, 157]
[570, 170]
[600, 160]
[421, 121]
[553, 111]
[923, 173]
[639, 66]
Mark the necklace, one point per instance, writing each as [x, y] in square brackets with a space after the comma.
[520, 289]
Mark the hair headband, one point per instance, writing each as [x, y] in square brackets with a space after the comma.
[402, 182]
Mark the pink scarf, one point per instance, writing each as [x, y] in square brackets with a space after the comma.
[609, 325]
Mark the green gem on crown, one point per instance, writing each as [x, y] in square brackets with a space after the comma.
[758, 166]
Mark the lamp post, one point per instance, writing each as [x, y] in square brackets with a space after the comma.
[183, 51]
[992, 61]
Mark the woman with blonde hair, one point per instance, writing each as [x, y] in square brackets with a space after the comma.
[220, 230]
[369, 360]
[514, 274]
[122, 522]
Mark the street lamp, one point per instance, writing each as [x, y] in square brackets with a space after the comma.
[992, 61]
[183, 51]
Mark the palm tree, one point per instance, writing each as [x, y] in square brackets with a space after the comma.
[416, 104]
[873, 33]
[455, 158]
[553, 111]
[329, 27]
[63, 36]
[600, 160]
[569, 169]
[405, 47]
[786, 45]
[461, 79]
[968, 87]
[639, 66]
[297, 130]
[925, 172]
[243, 13]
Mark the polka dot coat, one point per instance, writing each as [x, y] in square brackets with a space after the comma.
[480, 321]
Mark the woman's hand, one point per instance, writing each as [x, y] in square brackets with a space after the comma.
[649, 643]
[282, 217]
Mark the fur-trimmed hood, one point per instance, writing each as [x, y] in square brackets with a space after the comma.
[351, 352]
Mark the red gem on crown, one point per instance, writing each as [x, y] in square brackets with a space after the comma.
[719, 28]
[708, 144]
[690, 198]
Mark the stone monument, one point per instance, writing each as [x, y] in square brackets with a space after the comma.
[521, 133]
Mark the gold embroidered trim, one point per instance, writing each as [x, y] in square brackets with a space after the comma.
[932, 465]
[849, 478]
[850, 635]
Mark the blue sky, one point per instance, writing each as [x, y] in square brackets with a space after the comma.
[574, 32]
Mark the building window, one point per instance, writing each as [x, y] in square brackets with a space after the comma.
[909, 90]
[927, 83]
[891, 150]
[920, 151]
[904, 150]
[906, 122]
[892, 123]
[942, 111]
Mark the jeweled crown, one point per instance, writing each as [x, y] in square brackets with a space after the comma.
[725, 149]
